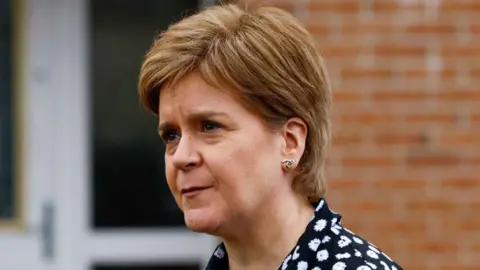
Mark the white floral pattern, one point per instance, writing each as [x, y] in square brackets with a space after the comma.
[313, 245]
[358, 240]
[320, 225]
[322, 255]
[320, 205]
[373, 266]
[296, 254]
[358, 253]
[339, 266]
[219, 253]
[374, 249]
[336, 229]
[343, 255]
[325, 245]
[285, 262]
[372, 254]
[344, 241]
[385, 265]
[326, 239]
[303, 265]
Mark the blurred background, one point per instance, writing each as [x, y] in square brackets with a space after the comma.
[81, 167]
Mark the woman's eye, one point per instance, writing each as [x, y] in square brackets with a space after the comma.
[170, 136]
[209, 126]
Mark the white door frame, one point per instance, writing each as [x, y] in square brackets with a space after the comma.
[78, 247]
[22, 245]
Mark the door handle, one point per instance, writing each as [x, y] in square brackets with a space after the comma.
[48, 230]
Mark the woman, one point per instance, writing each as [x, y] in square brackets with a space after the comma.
[243, 103]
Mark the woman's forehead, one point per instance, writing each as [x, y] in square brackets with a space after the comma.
[193, 93]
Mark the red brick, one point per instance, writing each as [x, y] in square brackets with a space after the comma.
[398, 138]
[431, 118]
[364, 28]
[455, 138]
[316, 29]
[426, 159]
[391, 122]
[466, 226]
[277, 3]
[458, 267]
[475, 29]
[361, 205]
[334, 6]
[404, 227]
[368, 161]
[431, 205]
[456, 50]
[392, 6]
[456, 6]
[461, 183]
[474, 206]
[436, 247]
[398, 184]
[399, 96]
[339, 96]
[346, 139]
[403, 50]
[366, 118]
[431, 28]
[475, 72]
[423, 72]
[406, 264]
[339, 50]
[475, 118]
[469, 226]
[460, 94]
[344, 184]
[475, 160]
[371, 73]
[288, 6]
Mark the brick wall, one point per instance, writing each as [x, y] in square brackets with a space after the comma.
[405, 165]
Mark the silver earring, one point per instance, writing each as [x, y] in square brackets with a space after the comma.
[288, 163]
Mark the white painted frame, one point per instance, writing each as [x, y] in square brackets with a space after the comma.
[21, 245]
[78, 246]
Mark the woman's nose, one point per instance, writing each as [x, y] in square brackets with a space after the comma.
[186, 157]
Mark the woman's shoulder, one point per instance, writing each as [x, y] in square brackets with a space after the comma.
[350, 251]
[326, 244]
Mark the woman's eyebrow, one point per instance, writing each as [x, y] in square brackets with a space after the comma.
[193, 116]
[206, 114]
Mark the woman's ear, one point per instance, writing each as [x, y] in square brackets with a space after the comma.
[294, 133]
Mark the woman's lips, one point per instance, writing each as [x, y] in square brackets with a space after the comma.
[193, 191]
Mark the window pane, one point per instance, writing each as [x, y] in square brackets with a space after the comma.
[149, 267]
[6, 109]
[129, 188]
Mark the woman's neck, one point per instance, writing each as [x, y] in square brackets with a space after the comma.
[266, 238]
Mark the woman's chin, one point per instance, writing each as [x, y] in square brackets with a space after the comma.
[201, 220]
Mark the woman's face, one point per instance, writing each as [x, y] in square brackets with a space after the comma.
[222, 163]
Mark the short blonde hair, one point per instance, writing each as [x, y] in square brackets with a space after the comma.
[267, 57]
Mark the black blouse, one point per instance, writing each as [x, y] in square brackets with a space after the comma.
[325, 245]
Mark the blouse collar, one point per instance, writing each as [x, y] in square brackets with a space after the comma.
[322, 217]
